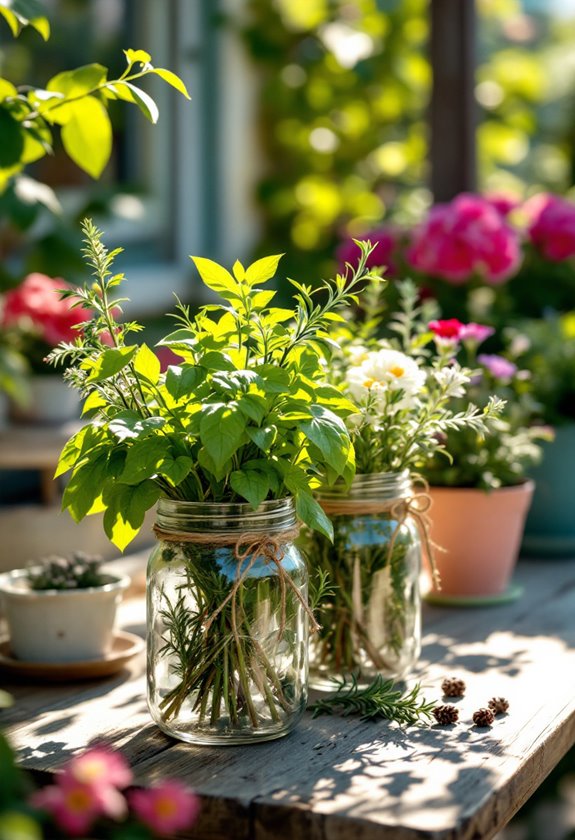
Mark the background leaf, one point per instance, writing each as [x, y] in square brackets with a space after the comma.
[87, 136]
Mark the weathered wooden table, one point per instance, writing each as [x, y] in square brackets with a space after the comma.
[341, 779]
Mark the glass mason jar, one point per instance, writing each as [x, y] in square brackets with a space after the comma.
[370, 618]
[227, 622]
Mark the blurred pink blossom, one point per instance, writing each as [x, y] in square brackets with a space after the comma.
[448, 329]
[74, 806]
[551, 225]
[498, 366]
[99, 767]
[167, 808]
[385, 240]
[36, 304]
[463, 238]
[503, 202]
[475, 332]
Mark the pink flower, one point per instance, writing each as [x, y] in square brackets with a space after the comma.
[464, 238]
[385, 240]
[74, 807]
[499, 367]
[449, 329]
[167, 808]
[552, 226]
[99, 767]
[475, 332]
[36, 303]
[167, 357]
[503, 202]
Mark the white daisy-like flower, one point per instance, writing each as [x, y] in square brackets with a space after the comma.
[357, 353]
[452, 380]
[382, 371]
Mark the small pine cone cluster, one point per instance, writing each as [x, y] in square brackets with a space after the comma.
[483, 717]
[498, 705]
[445, 715]
[453, 687]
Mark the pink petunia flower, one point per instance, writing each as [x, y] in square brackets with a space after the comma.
[167, 808]
[475, 332]
[74, 807]
[498, 366]
[99, 767]
[551, 226]
[448, 329]
[36, 303]
[465, 238]
[385, 240]
[503, 202]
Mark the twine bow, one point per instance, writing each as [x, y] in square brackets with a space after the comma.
[415, 506]
[256, 546]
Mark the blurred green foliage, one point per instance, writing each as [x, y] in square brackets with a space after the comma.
[345, 87]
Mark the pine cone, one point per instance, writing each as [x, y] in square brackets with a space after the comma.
[498, 705]
[483, 717]
[445, 715]
[453, 687]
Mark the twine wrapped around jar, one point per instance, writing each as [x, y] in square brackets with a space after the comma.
[399, 509]
[258, 545]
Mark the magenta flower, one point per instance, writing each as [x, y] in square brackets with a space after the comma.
[475, 332]
[99, 767]
[385, 240]
[465, 238]
[74, 807]
[503, 202]
[552, 226]
[447, 330]
[167, 808]
[497, 366]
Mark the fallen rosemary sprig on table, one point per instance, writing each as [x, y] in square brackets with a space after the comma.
[381, 699]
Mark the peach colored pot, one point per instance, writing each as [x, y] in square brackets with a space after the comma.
[481, 534]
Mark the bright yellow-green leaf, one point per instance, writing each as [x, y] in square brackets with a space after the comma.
[42, 26]
[11, 20]
[79, 81]
[262, 270]
[137, 55]
[147, 364]
[7, 89]
[172, 80]
[87, 136]
[216, 277]
[131, 93]
[93, 402]
[239, 271]
[7, 174]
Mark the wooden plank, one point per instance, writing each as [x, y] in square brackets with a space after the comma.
[334, 778]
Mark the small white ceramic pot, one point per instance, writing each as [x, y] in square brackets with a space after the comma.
[51, 401]
[60, 625]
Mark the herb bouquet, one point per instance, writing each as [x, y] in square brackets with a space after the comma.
[230, 443]
[403, 393]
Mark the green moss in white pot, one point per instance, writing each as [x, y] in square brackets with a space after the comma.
[62, 610]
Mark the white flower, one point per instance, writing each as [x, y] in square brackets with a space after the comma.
[452, 380]
[357, 353]
[382, 371]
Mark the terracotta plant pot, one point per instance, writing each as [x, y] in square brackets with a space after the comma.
[481, 534]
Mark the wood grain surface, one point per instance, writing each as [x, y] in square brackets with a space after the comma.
[338, 778]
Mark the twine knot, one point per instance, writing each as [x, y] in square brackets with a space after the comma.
[248, 549]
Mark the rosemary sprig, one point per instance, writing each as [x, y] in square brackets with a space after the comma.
[381, 699]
